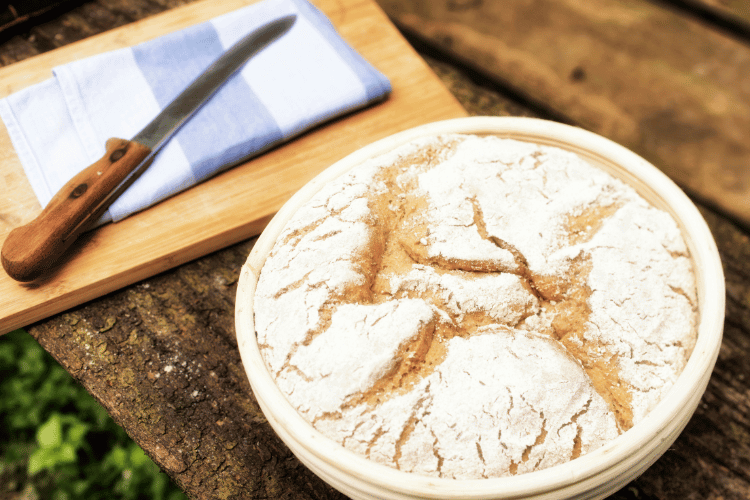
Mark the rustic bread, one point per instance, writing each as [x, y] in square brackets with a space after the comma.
[472, 307]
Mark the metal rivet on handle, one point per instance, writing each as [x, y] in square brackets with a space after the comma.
[79, 190]
[117, 154]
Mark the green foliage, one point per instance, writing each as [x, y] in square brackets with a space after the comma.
[57, 442]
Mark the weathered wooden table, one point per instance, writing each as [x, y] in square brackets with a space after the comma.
[669, 79]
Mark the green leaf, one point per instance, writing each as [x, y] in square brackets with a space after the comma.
[50, 433]
[7, 356]
[60, 495]
[65, 454]
[39, 460]
[79, 487]
[137, 457]
[76, 433]
[32, 363]
[50, 458]
[118, 457]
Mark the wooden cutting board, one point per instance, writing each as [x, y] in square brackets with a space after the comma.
[228, 208]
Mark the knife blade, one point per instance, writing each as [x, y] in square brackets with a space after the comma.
[33, 249]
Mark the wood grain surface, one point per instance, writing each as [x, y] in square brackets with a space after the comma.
[227, 208]
[161, 355]
[662, 82]
[733, 16]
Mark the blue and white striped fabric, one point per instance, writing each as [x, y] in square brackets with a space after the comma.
[310, 75]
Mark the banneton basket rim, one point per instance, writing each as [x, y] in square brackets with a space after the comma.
[626, 456]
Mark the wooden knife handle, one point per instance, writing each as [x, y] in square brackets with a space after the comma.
[32, 249]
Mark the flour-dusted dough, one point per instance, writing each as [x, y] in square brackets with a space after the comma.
[472, 307]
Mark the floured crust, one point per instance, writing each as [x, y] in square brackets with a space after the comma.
[472, 307]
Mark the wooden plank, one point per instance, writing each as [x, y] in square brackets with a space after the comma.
[230, 207]
[666, 85]
[734, 14]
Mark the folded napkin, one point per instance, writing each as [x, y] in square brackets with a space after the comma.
[308, 76]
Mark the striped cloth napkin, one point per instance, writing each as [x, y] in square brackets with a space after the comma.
[310, 75]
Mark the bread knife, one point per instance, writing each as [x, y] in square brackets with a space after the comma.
[31, 250]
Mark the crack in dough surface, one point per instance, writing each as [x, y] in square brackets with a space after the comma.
[475, 307]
